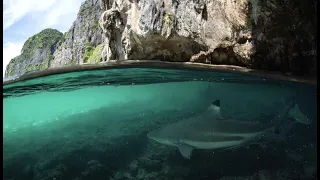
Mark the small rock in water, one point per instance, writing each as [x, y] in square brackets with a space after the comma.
[133, 166]
[96, 171]
[93, 162]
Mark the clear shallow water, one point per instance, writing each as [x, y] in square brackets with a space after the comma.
[93, 124]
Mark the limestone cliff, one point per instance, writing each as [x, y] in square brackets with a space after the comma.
[81, 42]
[275, 35]
[263, 34]
[36, 53]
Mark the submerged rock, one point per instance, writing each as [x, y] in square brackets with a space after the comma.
[95, 171]
[267, 175]
[55, 173]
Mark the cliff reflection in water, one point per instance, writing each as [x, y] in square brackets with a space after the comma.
[94, 125]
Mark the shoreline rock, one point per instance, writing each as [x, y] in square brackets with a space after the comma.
[164, 65]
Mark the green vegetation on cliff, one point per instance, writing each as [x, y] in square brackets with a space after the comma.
[36, 53]
[96, 55]
[46, 39]
[92, 54]
[85, 7]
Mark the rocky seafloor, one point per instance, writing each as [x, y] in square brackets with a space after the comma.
[87, 146]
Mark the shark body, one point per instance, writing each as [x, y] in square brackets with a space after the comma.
[211, 131]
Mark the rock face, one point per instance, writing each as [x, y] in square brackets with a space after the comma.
[36, 53]
[81, 42]
[272, 35]
[176, 30]
[284, 34]
[277, 35]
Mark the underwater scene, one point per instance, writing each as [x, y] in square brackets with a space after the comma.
[158, 124]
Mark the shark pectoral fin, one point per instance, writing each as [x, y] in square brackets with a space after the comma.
[185, 150]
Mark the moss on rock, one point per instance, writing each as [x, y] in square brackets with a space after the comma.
[96, 25]
[88, 52]
[92, 54]
[168, 18]
[96, 55]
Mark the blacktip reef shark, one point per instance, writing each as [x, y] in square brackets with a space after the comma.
[210, 130]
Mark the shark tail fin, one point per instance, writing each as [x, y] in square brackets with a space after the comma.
[296, 114]
[292, 111]
[281, 116]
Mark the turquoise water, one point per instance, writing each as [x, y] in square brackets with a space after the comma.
[93, 125]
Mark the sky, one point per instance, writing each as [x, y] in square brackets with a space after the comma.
[25, 18]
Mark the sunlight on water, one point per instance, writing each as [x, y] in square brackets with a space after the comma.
[37, 109]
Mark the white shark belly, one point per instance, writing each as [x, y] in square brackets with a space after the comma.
[220, 144]
[210, 145]
[165, 142]
[245, 136]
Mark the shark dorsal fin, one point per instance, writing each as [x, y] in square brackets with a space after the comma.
[214, 109]
[216, 103]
